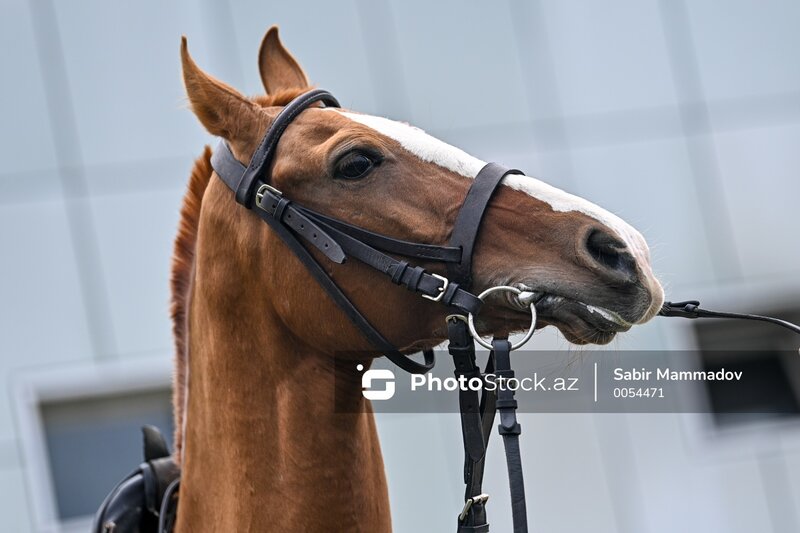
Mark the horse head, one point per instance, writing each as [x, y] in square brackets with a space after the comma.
[587, 271]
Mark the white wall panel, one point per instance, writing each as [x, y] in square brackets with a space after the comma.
[423, 460]
[325, 39]
[746, 48]
[762, 190]
[13, 501]
[42, 315]
[125, 78]
[564, 475]
[461, 63]
[26, 139]
[608, 56]
[135, 233]
[790, 456]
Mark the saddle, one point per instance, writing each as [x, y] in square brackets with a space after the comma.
[146, 500]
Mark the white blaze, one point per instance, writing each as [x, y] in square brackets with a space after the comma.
[432, 150]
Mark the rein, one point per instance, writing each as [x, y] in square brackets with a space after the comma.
[692, 309]
[300, 228]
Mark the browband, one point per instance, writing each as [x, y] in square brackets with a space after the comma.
[262, 157]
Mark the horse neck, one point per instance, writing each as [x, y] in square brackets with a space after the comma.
[263, 447]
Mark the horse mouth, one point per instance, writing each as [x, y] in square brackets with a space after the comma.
[579, 322]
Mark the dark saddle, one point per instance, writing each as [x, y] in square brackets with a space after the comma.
[145, 501]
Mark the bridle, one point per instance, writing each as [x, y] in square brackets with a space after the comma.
[338, 240]
[301, 228]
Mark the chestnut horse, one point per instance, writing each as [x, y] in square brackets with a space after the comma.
[259, 443]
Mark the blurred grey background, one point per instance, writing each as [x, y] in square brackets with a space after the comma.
[683, 117]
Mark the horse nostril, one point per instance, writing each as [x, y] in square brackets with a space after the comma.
[611, 253]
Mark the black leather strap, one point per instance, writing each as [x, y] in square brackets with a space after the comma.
[360, 321]
[510, 430]
[475, 518]
[462, 349]
[262, 157]
[482, 528]
[468, 220]
[444, 254]
[692, 309]
[335, 243]
[415, 279]
[227, 167]
[281, 209]
[168, 513]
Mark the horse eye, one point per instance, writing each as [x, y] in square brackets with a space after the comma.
[354, 165]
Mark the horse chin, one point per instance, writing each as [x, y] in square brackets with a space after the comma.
[578, 331]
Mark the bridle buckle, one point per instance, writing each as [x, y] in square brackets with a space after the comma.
[480, 498]
[442, 289]
[262, 191]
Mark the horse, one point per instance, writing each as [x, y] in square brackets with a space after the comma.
[257, 340]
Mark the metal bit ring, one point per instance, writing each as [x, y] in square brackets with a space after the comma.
[471, 318]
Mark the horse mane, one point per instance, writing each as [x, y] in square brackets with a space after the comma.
[182, 268]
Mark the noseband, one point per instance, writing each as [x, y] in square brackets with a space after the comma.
[301, 228]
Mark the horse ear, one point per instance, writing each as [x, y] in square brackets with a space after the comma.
[279, 69]
[219, 107]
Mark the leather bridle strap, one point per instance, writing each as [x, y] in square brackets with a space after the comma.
[262, 157]
[692, 309]
[414, 278]
[468, 220]
[360, 321]
[474, 425]
[462, 349]
[473, 517]
[475, 409]
[444, 254]
[510, 429]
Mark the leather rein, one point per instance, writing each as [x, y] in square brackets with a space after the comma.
[301, 228]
